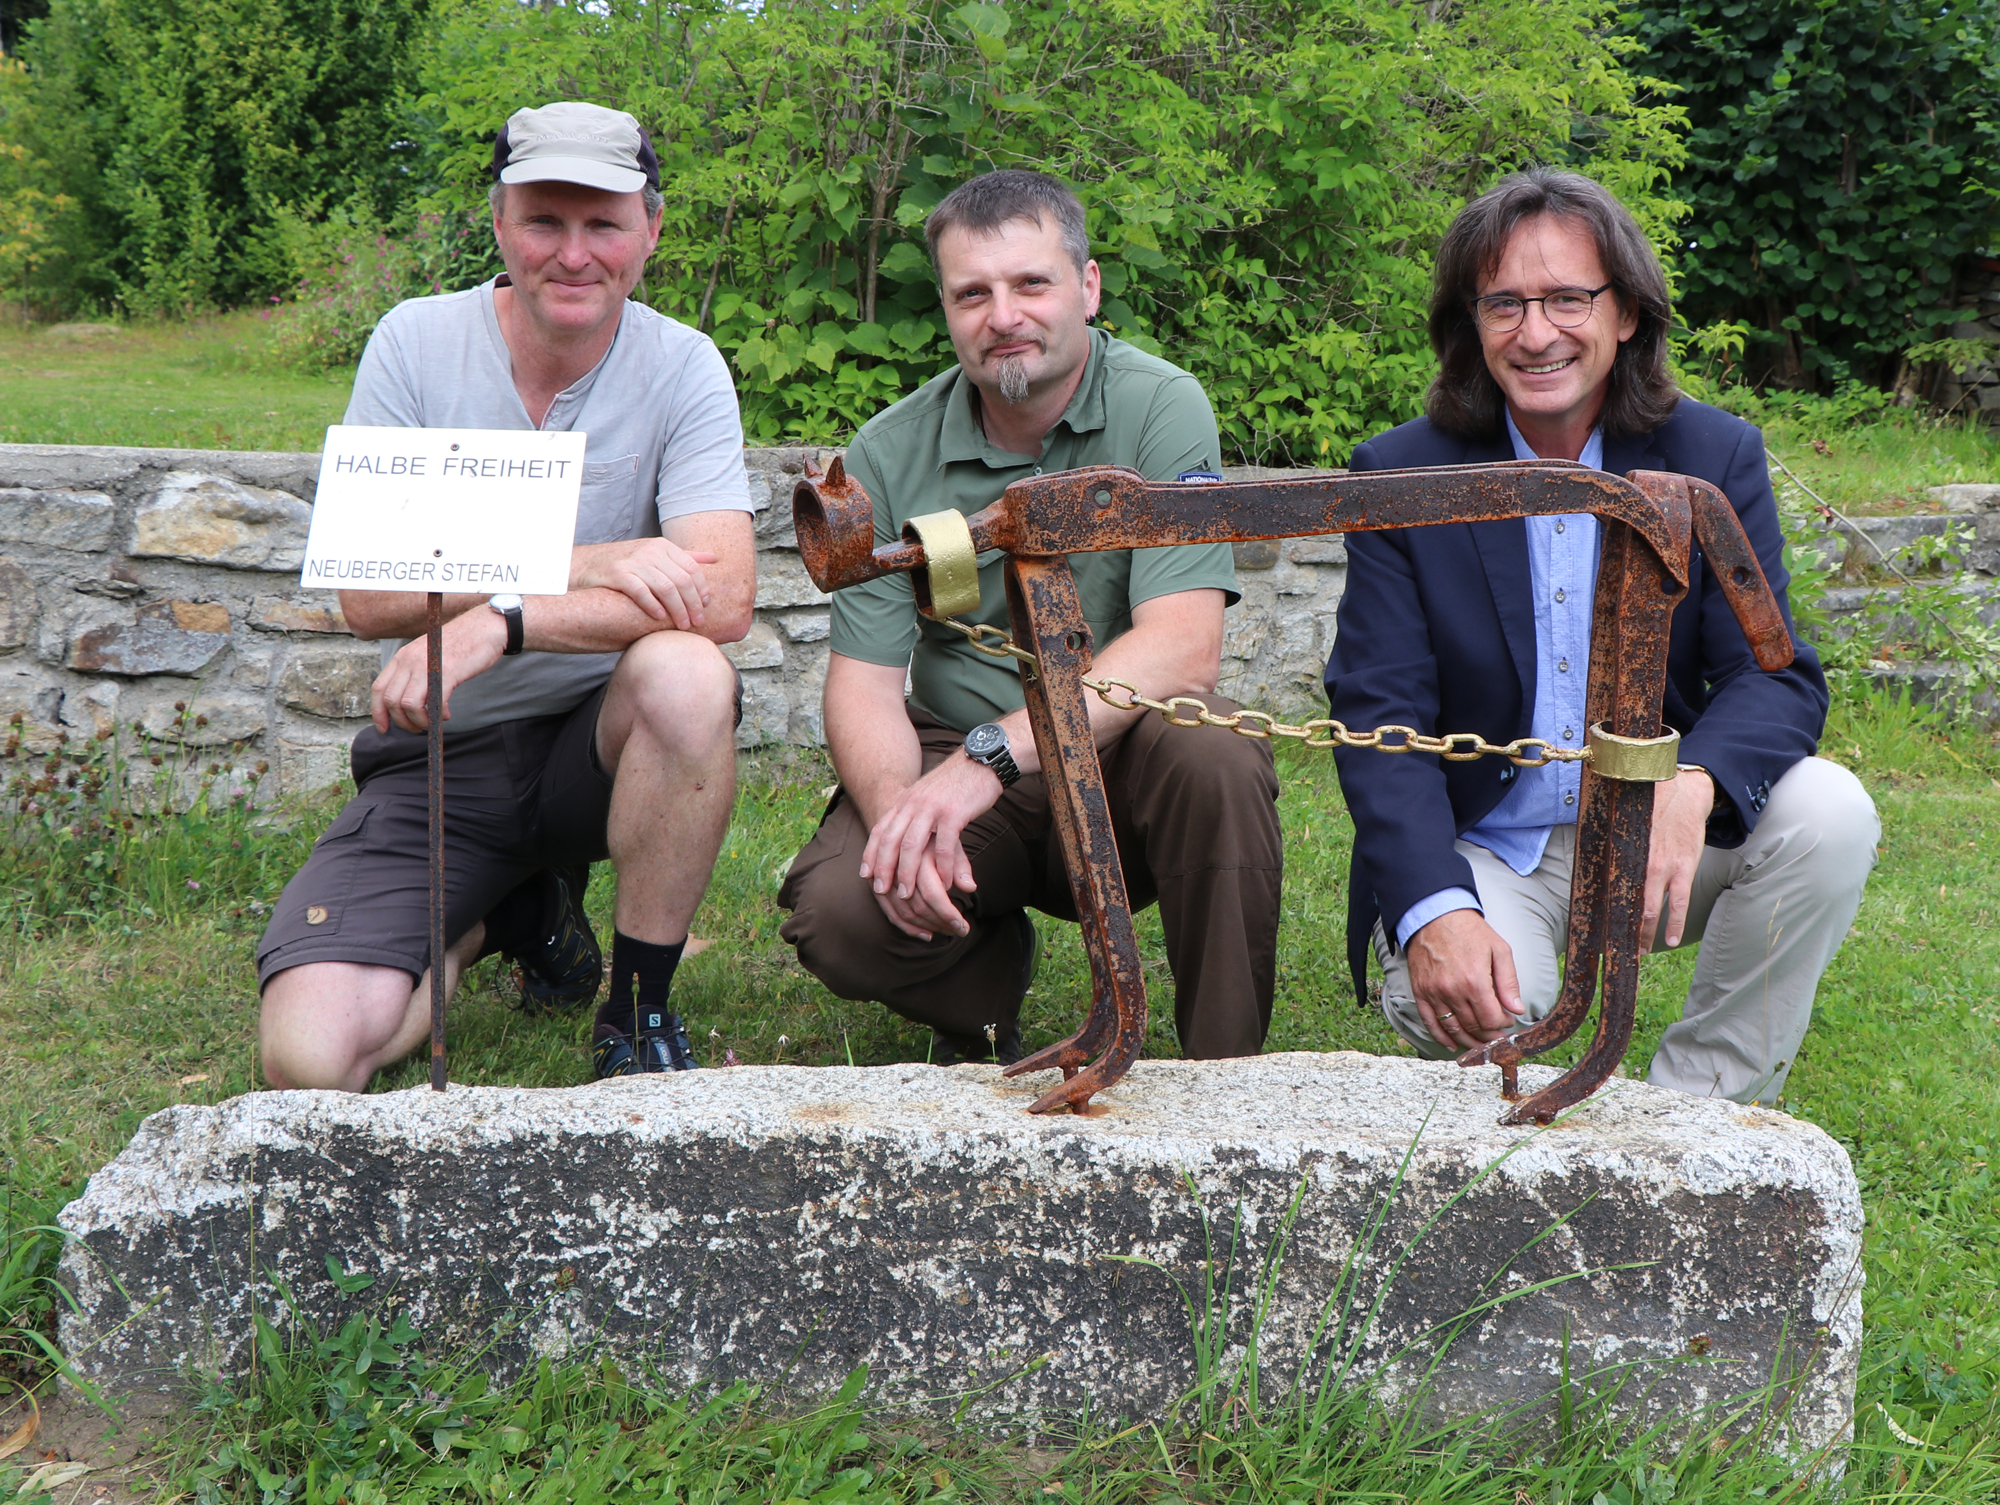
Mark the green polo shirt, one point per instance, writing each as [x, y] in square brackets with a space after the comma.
[928, 452]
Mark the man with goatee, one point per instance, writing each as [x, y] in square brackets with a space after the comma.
[914, 891]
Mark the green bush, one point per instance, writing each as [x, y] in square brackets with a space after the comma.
[1850, 410]
[1842, 162]
[185, 132]
[28, 209]
[1264, 180]
[356, 274]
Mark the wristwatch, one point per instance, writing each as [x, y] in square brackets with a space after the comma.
[987, 744]
[509, 606]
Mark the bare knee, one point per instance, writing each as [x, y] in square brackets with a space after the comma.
[679, 690]
[328, 1024]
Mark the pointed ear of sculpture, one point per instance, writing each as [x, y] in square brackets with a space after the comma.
[835, 522]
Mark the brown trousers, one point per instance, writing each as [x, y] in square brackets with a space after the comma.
[1196, 817]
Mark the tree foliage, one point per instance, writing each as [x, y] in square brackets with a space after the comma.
[27, 210]
[14, 18]
[1843, 162]
[1264, 180]
[193, 137]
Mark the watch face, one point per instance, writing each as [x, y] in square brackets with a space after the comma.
[505, 602]
[985, 740]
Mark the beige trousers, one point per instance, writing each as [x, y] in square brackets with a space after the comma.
[1769, 915]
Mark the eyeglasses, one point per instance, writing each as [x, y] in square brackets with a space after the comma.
[1566, 308]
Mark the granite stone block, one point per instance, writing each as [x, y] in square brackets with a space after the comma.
[768, 1221]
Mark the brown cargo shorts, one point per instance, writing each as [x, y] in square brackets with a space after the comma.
[519, 796]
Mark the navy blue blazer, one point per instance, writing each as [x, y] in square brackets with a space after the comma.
[1436, 631]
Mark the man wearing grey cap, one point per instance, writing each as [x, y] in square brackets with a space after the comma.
[599, 723]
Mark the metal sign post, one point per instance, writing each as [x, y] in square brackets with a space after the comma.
[478, 511]
[434, 772]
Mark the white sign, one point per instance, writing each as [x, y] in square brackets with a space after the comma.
[478, 510]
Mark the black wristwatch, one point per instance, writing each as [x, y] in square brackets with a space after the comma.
[509, 606]
[987, 744]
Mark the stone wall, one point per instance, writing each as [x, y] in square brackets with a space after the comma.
[135, 579]
[1976, 389]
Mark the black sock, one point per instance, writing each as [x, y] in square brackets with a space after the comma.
[651, 968]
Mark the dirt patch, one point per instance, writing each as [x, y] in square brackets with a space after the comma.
[119, 1457]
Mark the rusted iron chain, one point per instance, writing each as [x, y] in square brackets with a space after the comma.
[1187, 710]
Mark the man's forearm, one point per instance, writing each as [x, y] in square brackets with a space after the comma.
[597, 620]
[702, 575]
[586, 621]
[876, 762]
[397, 614]
[874, 748]
[702, 579]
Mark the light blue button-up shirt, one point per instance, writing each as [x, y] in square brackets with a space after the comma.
[1562, 568]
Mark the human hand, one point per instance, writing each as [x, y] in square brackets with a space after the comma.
[1462, 975]
[473, 643]
[1681, 807]
[914, 858]
[661, 578]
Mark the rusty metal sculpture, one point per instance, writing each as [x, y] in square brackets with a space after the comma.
[1648, 519]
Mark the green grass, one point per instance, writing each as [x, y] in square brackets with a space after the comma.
[1865, 457]
[204, 384]
[362, 1415]
[1886, 468]
[114, 1016]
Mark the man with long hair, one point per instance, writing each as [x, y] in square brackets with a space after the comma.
[1549, 317]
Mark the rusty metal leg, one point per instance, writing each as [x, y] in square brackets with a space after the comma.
[1629, 629]
[1042, 601]
[1586, 945]
[434, 713]
[1614, 888]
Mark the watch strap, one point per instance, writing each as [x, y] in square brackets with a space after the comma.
[1003, 764]
[517, 632]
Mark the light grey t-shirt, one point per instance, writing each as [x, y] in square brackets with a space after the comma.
[665, 440]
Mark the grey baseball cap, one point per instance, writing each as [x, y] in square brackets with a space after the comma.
[573, 142]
